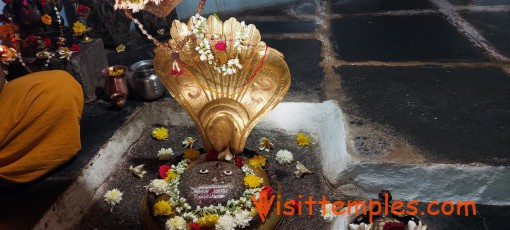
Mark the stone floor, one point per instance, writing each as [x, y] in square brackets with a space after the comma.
[432, 73]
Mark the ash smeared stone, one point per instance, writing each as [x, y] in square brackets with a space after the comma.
[372, 146]
[207, 184]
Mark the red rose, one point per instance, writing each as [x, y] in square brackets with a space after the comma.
[74, 48]
[394, 226]
[43, 2]
[212, 155]
[221, 46]
[239, 162]
[176, 72]
[47, 42]
[194, 226]
[82, 10]
[163, 170]
[268, 190]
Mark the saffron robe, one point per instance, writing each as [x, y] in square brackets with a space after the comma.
[39, 124]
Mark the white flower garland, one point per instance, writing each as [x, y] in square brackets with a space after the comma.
[204, 46]
[135, 5]
[235, 213]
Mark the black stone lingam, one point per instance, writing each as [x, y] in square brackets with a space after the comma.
[211, 183]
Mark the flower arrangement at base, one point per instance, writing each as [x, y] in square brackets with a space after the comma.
[235, 213]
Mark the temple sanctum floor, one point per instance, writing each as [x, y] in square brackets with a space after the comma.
[408, 96]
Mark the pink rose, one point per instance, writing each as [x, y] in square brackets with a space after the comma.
[163, 171]
[212, 155]
[268, 190]
[220, 46]
[239, 162]
[74, 48]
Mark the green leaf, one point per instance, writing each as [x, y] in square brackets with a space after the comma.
[217, 17]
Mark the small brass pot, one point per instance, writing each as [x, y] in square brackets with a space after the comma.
[116, 87]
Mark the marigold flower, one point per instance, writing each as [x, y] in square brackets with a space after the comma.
[302, 139]
[160, 133]
[191, 154]
[170, 175]
[209, 220]
[258, 161]
[46, 19]
[79, 28]
[252, 181]
[162, 208]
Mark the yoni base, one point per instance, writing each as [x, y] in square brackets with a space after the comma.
[149, 222]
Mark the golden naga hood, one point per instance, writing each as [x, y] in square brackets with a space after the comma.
[226, 88]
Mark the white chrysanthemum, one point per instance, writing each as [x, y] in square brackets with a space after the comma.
[176, 223]
[328, 215]
[284, 157]
[158, 186]
[226, 222]
[243, 218]
[113, 197]
[165, 154]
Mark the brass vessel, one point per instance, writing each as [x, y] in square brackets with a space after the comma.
[116, 87]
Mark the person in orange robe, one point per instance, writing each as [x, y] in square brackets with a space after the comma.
[39, 124]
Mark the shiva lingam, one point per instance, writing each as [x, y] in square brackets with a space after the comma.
[227, 80]
[384, 220]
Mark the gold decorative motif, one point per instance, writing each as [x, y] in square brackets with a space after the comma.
[224, 108]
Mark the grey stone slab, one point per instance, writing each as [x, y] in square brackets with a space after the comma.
[490, 217]
[373, 6]
[401, 38]
[285, 27]
[303, 57]
[494, 27]
[22, 206]
[293, 9]
[455, 115]
[86, 67]
[480, 2]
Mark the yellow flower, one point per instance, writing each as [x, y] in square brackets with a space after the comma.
[120, 48]
[160, 133]
[114, 72]
[78, 28]
[191, 154]
[252, 181]
[258, 161]
[209, 220]
[302, 139]
[162, 208]
[46, 19]
[170, 175]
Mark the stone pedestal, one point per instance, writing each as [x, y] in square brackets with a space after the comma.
[86, 67]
